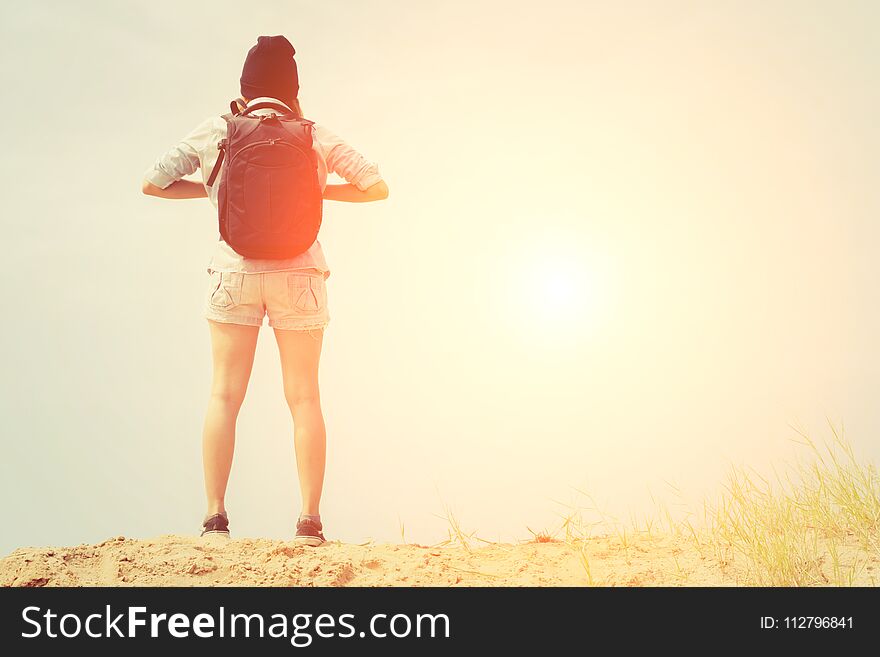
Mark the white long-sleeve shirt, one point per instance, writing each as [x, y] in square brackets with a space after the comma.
[198, 150]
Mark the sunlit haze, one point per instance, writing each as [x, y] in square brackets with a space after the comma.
[626, 245]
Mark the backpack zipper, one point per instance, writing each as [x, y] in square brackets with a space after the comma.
[270, 142]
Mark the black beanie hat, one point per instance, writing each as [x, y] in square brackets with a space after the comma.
[270, 70]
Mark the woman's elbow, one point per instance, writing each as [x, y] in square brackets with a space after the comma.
[379, 191]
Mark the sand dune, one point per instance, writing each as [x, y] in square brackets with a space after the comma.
[817, 525]
[187, 561]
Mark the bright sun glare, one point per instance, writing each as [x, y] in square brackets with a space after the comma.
[566, 292]
[563, 294]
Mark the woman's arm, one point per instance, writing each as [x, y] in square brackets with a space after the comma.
[364, 180]
[165, 178]
[352, 194]
[346, 192]
[179, 189]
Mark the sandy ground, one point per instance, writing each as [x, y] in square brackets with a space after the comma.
[186, 561]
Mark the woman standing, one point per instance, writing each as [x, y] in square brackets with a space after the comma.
[242, 290]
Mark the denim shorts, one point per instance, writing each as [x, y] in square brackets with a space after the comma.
[295, 300]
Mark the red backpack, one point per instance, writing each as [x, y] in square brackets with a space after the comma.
[269, 199]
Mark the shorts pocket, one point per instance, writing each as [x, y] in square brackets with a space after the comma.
[308, 295]
[226, 289]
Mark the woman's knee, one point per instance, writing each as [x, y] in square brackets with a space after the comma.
[298, 396]
[230, 398]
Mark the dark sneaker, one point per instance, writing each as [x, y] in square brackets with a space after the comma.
[216, 525]
[308, 532]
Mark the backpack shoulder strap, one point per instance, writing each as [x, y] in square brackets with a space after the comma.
[222, 148]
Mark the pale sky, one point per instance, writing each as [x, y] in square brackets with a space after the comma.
[626, 244]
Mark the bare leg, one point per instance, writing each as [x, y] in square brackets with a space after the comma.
[300, 353]
[232, 346]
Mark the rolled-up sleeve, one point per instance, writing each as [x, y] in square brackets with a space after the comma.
[182, 159]
[346, 162]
